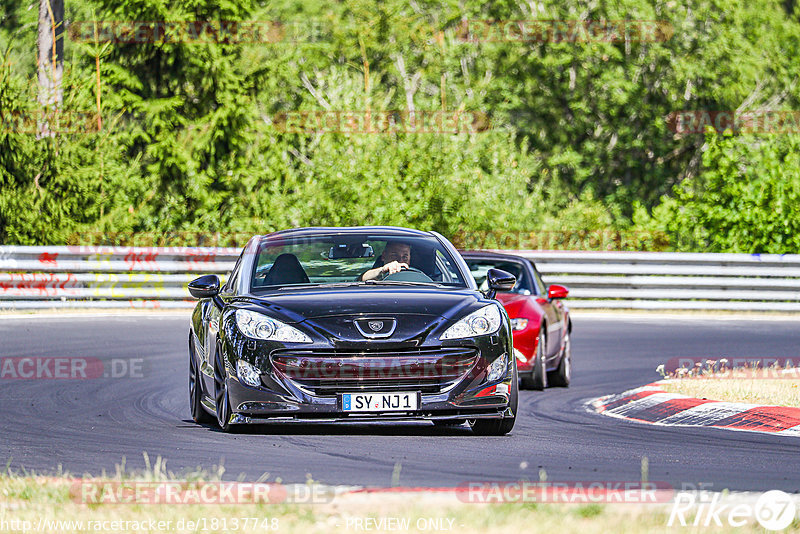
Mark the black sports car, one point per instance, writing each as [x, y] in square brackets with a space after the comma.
[352, 324]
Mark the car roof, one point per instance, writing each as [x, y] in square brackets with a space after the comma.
[480, 254]
[310, 231]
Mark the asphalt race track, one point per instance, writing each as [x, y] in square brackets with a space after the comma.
[88, 426]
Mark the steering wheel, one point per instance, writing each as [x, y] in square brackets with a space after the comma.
[409, 274]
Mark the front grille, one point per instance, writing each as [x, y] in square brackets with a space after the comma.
[428, 370]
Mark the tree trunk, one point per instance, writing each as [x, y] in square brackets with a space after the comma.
[51, 63]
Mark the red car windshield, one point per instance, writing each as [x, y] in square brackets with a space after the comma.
[479, 267]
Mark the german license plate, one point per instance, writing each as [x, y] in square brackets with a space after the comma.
[379, 402]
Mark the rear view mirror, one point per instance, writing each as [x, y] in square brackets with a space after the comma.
[350, 251]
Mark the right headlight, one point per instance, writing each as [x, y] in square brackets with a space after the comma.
[478, 323]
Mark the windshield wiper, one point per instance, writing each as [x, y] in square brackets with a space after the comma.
[331, 284]
[361, 283]
[403, 283]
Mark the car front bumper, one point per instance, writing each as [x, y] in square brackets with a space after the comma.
[260, 405]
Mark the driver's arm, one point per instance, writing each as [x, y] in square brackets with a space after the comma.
[389, 268]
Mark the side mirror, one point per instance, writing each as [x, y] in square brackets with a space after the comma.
[205, 287]
[556, 291]
[499, 281]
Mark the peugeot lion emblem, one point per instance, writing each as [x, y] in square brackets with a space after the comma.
[377, 328]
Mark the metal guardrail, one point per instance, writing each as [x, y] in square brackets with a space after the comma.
[146, 277]
[105, 276]
[673, 281]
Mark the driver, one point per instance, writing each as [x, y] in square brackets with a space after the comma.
[396, 256]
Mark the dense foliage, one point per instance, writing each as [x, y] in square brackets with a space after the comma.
[570, 145]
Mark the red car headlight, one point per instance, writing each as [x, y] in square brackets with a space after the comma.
[519, 324]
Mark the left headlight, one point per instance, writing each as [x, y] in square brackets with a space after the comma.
[478, 323]
[260, 326]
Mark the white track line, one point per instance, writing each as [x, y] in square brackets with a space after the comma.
[643, 403]
[707, 414]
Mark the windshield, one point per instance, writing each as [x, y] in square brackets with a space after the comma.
[353, 259]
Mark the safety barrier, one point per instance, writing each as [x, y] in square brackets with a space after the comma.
[105, 276]
[673, 281]
[150, 277]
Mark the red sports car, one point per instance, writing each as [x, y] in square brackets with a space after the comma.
[540, 321]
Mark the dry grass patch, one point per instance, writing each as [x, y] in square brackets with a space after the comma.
[769, 391]
[45, 504]
[31, 503]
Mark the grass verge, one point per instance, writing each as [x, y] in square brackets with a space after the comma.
[769, 391]
[49, 504]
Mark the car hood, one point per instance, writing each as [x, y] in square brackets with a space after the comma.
[511, 298]
[529, 306]
[301, 304]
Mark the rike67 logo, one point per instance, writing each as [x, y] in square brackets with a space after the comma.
[773, 510]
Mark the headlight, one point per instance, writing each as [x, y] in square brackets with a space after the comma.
[260, 326]
[497, 369]
[478, 323]
[248, 374]
[519, 324]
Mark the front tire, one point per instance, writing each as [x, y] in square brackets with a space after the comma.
[537, 379]
[562, 376]
[199, 414]
[222, 401]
